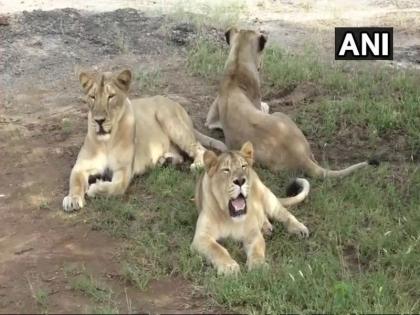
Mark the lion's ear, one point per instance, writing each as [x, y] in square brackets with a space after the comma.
[261, 42]
[86, 81]
[210, 162]
[247, 152]
[123, 80]
[229, 33]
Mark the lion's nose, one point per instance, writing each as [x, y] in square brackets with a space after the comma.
[100, 121]
[239, 181]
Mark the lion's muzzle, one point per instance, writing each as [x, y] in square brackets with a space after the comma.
[102, 127]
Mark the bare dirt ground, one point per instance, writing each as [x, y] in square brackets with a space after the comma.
[42, 124]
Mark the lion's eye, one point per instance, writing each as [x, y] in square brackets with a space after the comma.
[110, 97]
[244, 166]
[92, 97]
[225, 170]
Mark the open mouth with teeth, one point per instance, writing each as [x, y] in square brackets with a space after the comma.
[237, 206]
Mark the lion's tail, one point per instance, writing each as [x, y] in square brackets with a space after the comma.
[300, 186]
[314, 170]
[210, 142]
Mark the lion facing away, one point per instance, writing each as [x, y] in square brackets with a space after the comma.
[233, 202]
[125, 138]
[238, 110]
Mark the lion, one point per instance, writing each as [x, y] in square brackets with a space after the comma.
[126, 138]
[239, 112]
[233, 202]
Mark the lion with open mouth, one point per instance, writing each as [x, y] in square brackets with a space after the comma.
[233, 202]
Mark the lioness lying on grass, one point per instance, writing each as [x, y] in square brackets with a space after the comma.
[233, 202]
[279, 143]
[125, 138]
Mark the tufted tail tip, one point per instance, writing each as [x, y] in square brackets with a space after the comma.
[294, 188]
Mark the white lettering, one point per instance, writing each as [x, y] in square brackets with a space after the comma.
[373, 46]
[348, 44]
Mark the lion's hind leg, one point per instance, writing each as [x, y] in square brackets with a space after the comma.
[213, 119]
[267, 228]
[178, 126]
[275, 210]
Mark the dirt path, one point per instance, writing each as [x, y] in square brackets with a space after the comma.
[41, 130]
[38, 242]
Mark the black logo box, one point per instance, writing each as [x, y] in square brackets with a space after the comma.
[341, 32]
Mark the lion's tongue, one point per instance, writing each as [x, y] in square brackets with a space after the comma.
[238, 203]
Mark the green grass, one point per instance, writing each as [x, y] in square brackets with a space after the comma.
[103, 310]
[88, 286]
[382, 101]
[207, 59]
[363, 251]
[41, 298]
[220, 14]
[84, 283]
[149, 80]
[66, 126]
[362, 254]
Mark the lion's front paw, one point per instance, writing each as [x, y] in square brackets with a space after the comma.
[265, 108]
[299, 229]
[197, 165]
[71, 203]
[98, 188]
[198, 162]
[231, 268]
[93, 190]
[170, 158]
[256, 263]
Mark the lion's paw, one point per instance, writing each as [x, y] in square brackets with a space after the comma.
[100, 187]
[265, 108]
[257, 264]
[267, 228]
[231, 268]
[161, 161]
[299, 229]
[196, 166]
[170, 158]
[71, 203]
[198, 161]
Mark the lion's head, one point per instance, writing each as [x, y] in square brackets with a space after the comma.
[229, 176]
[106, 94]
[247, 42]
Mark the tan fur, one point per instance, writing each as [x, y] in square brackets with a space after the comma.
[137, 135]
[214, 190]
[279, 143]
